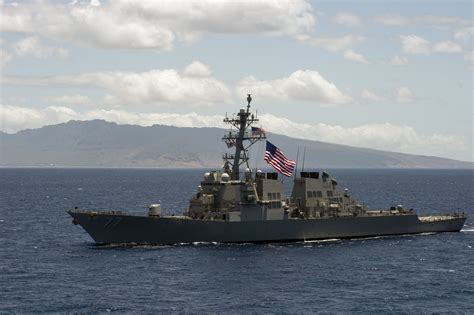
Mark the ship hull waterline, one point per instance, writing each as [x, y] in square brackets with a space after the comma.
[131, 229]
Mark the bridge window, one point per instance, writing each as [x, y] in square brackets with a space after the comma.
[274, 205]
[329, 193]
[274, 196]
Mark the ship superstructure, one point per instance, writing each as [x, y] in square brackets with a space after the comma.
[250, 206]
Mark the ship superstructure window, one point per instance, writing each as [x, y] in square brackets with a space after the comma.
[329, 193]
[274, 205]
[314, 194]
[274, 196]
[310, 175]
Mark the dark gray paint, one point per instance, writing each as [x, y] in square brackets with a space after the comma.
[123, 229]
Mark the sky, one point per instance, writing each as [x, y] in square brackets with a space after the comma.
[389, 75]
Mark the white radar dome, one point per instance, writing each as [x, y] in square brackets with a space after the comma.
[225, 177]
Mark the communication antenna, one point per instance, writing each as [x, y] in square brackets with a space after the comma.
[241, 138]
[304, 155]
[296, 166]
[259, 154]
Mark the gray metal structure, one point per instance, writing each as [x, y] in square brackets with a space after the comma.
[251, 207]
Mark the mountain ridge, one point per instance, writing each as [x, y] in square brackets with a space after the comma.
[98, 143]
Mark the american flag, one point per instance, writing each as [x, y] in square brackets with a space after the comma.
[278, 160]
[258, 131]
[230, 142]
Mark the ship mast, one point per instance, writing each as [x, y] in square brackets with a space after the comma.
[236, 138]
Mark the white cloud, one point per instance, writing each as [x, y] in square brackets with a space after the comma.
[399, 61]
[197, 69]
[301, 85]
[353, 56]
[404, 95]
[95, 3]
[71, 100]
[156, 25]
[334, 43]
[412, 44]
[425, 20]
[382, 136]
[33, 47]
[194, 86]
[347, 19]
[16, 118]
[441, 21]
[369, 96]
[447, 47]
[392, 20]
[30, 46]
[464, 34]
[5, 57]
[469, 56]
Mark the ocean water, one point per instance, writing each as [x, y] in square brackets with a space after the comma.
[49, 265]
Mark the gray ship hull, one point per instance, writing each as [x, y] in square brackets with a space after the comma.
[106, 228]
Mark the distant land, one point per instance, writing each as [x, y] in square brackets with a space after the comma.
[98, 143]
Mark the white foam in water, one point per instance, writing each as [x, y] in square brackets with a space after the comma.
[368, 238]
[442, 270]
[129, 246]
[204, 243]
[467, 230]
[323, 241]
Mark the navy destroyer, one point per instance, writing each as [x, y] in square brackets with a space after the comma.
[234, 206]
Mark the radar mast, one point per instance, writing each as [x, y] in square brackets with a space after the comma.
[242, 138]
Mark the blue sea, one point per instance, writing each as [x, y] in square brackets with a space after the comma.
[49, 265]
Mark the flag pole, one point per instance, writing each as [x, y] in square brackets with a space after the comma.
[296, 166]
[304, 155]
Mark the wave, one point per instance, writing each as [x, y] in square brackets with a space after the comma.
[129, 245]
[323, 241]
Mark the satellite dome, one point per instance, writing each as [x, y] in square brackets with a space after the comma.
[225, 177]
